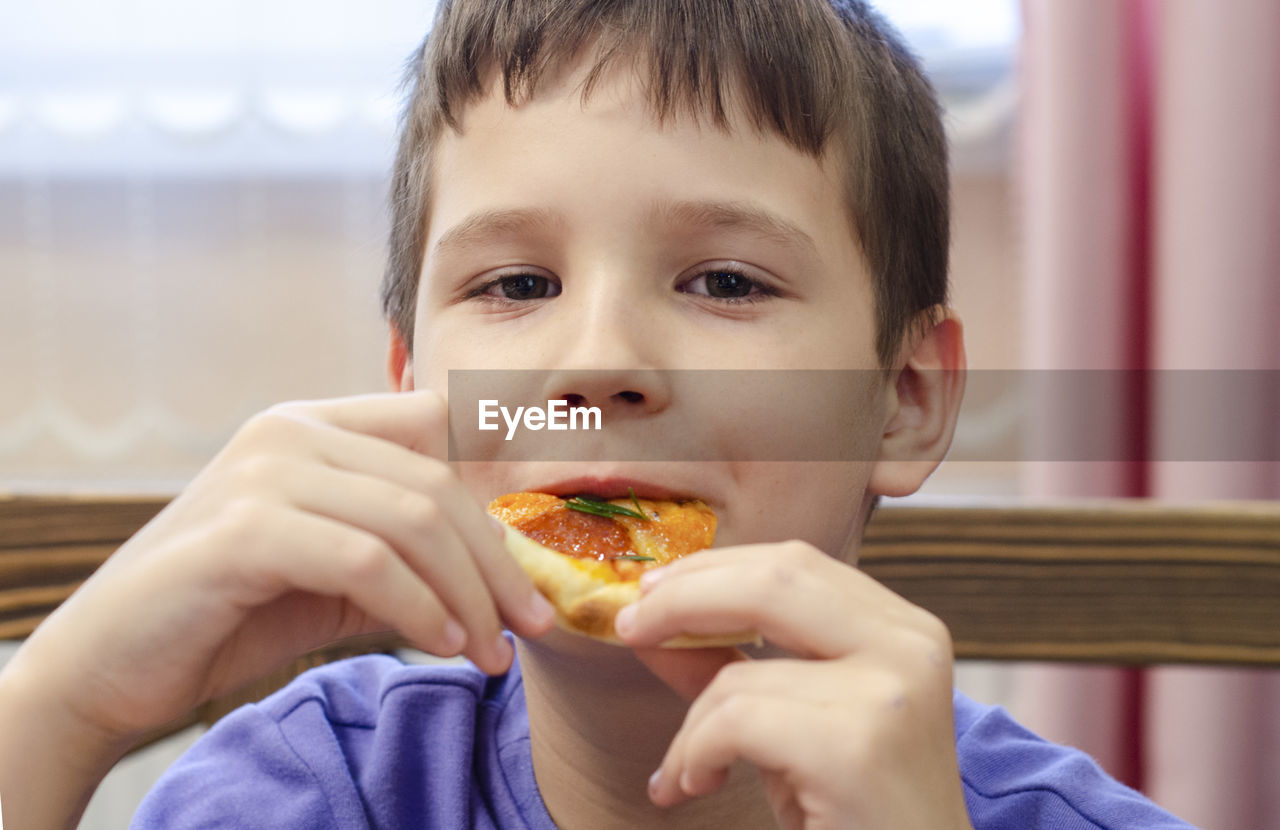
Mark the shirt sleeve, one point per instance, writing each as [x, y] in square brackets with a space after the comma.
[244, 773]
[1016, 780]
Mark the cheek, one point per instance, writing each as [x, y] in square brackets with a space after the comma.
[788, 415]
[484, 480]
[815, 502]
[440, 344]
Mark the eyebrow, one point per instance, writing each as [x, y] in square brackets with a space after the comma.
[736, 216]
[483, 226]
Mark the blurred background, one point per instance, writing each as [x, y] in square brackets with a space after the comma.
[192, 224]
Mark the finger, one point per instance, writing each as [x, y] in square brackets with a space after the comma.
[783, 557]
[774, 734]
[804, 610]
[822, 682]
[779, 678]
[704, 560]
[688, 670]
[416, 420]
[421, 531]
[517, 600]
[782, 797]
[326, 619]
[295, 550]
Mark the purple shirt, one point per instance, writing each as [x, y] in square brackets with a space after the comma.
[374, 743]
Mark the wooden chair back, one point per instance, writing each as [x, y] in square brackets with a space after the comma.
[1122, 582]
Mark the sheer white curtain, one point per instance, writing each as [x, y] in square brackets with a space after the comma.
[191, 223]
[146, 318]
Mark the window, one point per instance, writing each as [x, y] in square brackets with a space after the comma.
[297, 87]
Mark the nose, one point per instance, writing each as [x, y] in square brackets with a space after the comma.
[613, 356]
[619, 393]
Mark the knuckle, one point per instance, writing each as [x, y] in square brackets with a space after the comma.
[421, 515]
[436, 476]
[799, 553]
[891, 692]
[291, 410]
[259, 471]
[730, 677]
[435, 412]
[365, 558]
[280, 422]
[242, 521]
[933, 636]
[736, 708]
[271, 424]
[936, 630]
[765, 584]
[725, 684]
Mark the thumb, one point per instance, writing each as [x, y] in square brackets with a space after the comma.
[687, 670]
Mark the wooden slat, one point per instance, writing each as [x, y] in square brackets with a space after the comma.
[1127, 582]
[1122, 582]
[41, 521]
[50, 544]
[22, 608]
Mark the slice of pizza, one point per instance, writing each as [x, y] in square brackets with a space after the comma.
[586, 556]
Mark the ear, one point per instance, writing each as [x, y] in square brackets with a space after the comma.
[399, 364]
[923, 403]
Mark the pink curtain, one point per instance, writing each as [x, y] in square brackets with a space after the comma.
[1150, 185]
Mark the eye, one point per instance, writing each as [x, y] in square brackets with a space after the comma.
[518, 288]
[727, 284]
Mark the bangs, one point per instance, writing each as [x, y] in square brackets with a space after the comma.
[777, 62]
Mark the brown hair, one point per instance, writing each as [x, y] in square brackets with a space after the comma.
[810, 71]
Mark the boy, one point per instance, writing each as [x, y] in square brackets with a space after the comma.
[780, 205]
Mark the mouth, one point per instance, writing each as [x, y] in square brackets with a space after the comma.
[614, 487]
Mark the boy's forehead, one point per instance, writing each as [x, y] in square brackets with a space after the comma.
[560, 139]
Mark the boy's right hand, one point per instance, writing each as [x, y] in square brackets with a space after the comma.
[318, 521]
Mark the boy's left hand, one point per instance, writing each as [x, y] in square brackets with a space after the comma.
[857, 731]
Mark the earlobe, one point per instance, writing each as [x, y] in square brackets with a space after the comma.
[924, 403]
[399, 364]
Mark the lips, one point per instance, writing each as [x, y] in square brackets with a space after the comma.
[613, 488]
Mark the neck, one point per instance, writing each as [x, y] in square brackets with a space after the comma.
[600, 724]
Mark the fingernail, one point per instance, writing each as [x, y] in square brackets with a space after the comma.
[498, 527]
[625, 621]
[455, 637]
[540, 611]
[655, 781]
[502, 648]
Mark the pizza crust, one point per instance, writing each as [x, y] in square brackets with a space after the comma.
[588, 594]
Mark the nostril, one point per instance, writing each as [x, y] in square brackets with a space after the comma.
[630, 396]
[573, 399]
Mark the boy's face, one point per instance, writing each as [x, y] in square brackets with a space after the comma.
[626, 246]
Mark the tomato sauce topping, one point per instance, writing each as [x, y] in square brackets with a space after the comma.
[576, 533]
[545, 519]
